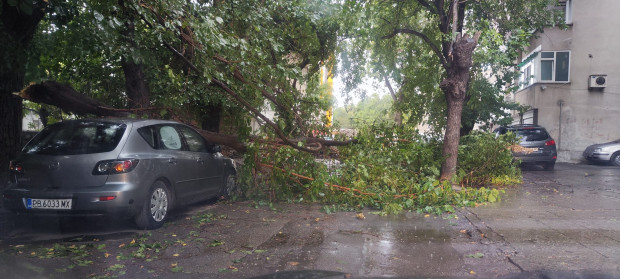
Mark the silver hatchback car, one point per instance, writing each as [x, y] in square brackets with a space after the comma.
[604, 152]
[132, 168]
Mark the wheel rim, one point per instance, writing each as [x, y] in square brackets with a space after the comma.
[617, 160]
[159, 204]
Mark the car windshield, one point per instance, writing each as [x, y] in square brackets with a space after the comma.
[532, 134]
[79, 137]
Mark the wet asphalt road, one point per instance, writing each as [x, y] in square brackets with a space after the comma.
[559, 224]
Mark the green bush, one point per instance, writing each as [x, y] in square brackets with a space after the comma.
[487, 160]
[392, 169]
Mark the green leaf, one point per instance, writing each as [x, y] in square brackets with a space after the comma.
[216, 243]
[476, 255]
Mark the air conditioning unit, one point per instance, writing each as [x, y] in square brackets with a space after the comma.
[597, 81]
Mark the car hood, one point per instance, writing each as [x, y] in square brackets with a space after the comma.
[607, 144]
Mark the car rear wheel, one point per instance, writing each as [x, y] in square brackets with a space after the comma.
[615, 159]
[549, 166]
[156, 207]
[230, 186]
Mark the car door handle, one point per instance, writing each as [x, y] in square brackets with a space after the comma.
[200, 160]
[172, 161]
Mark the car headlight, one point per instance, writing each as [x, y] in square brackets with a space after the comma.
[598, 150]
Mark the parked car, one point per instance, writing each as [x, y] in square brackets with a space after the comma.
[604, 152]
[137, 169]
[536, 145]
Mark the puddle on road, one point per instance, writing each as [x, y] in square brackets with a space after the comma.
[394, 245]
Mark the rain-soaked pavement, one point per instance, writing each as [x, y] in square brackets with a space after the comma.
[559, 224]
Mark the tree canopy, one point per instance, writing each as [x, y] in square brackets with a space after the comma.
[442, 59]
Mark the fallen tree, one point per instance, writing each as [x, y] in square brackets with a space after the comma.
[69, 100]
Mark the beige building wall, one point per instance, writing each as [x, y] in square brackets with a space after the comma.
[575, 115]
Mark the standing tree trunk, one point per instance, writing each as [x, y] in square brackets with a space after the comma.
[17, 28]
[211, 117]
[135, 84]
[135, 81]
[455, 90]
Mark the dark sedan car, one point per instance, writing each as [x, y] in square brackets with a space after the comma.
[132, 168]
[536, 146]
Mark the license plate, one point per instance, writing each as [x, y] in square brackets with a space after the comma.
[525, 150]
[48, 203]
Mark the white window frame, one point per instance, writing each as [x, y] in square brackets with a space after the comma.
[526, 81]
[569, 12]
[553, 68]
[535, 67]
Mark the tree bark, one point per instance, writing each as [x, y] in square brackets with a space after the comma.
[211, 117]
[135, 84]
[67, 99]
[455, 91]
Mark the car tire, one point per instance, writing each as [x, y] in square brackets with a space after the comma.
[549, 166]
[156, 207]
[229, 187]
[615, 159]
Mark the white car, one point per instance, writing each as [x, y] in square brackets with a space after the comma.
[604, 152]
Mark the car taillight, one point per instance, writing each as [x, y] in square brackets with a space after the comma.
[15, 167]
[550, 143]
[107, 198]
[115, 166]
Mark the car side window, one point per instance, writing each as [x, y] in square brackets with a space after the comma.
[195, 141]
[149, 135]
[169, 138]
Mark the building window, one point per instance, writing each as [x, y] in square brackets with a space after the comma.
[554, 66]
[545, 66]
[569, 12]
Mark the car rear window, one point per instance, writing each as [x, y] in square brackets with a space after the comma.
[76, 137]
[534, 134]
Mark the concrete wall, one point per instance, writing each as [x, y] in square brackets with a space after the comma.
[575, 115]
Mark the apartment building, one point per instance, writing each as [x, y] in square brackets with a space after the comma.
[571, 78]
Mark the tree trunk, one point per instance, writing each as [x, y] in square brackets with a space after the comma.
[11, 124]
[455, 90]
[135, 84]
[451, 137]
[211, 116]
[16, 31]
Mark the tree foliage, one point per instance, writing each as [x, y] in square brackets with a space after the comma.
[440, 55]
[388, 169]
[371, 110]
[203, 58]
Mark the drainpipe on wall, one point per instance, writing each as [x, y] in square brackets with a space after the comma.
[561, 104]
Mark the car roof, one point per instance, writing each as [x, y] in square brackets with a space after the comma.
[125, 120]
[523, 127]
